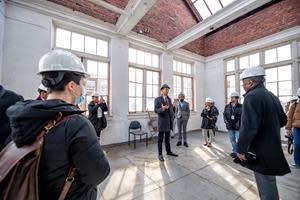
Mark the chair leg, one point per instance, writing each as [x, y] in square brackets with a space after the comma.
[134, 144]
[147, 139]
[128, 139]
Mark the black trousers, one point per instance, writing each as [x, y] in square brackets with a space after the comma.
[167, 142]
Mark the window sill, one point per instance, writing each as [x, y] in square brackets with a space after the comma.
[141, 115]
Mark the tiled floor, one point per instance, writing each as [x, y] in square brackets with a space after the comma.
[198, 173]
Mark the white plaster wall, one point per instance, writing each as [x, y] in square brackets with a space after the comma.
[2, 21]
[215, 87]
[27, 37]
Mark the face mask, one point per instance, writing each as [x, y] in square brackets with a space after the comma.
[181, 100]
[81, 98]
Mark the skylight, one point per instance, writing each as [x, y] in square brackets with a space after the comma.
[207, 8]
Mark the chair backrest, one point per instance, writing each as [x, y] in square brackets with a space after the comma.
[135, 125]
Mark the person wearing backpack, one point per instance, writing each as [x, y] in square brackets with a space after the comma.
[96, 113]
[72, 142]
[294, 122]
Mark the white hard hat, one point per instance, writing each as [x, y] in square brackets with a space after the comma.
[209, 100]
[294, 98]
[298, 92]
[95, 94]
[60, 60]
[42, 88]
[234, 94]
[253, 72]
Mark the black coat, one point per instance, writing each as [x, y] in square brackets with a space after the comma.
[206, 122]
[93, 110]
[262, 118]
[7, 99]
[165, 118]
[229, 111]
[73, 141]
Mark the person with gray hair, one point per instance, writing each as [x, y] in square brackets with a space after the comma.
[182, 115]
[259, 145]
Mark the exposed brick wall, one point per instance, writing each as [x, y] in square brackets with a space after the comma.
[196, 46]
[119, 3]
[92, 9]
[166, 20]
[272, 19]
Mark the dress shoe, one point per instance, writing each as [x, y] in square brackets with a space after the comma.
[186, 144]
[161, 158]
[178, 143]
[172, 154]
[233, 155]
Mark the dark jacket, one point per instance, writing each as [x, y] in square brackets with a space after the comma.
[207, 123]
[73, 141]
[229, 111]
[262, 118]
[165, 118]
[93, 110]
[7, 99]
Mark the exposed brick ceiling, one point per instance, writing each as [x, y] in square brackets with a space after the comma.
[166, 20]
[169, 18]
[92, 9]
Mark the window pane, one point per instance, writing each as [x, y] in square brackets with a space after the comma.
[285, 88]
[131, 104]
[184, 68]
[150, 104]
[214, 5]
[131, 74]
[271, 75]
[103, 70]
[102, 86]
[91, 85]
[92, 68]
[155, 90]
[140, 57]
[77, 42]
[63, 38]
[90, 45]
[284, 73]
[272, 87]
[139, 104]
[149, 77]
[254, 60]
[270, 56]
[202, 9]
[132, 55]
[155, 60]
[148, 59]
[139, 90]
[244, 62]
[179, 67]
[149, 91]
[284, 53]
[132, 89]
[189, 69]
[102, 48]
[174, 65]
[231, 81]
[230, 66]
[155, 78]
[139, 76]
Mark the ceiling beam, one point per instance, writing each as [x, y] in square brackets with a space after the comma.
[224, 16]
[110, 7]
[137, 9]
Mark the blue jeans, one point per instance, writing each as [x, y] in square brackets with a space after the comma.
[267, 187]
[296, 134]
[234, 137]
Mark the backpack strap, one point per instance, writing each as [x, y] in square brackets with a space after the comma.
[68, 182]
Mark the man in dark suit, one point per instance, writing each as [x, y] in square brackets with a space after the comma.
[164, 109]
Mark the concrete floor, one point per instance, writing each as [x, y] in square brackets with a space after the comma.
[198, 173]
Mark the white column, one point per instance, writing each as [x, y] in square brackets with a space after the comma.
[117, 130]
[167, 70]
[295, 67]
[2, 22]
